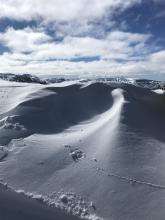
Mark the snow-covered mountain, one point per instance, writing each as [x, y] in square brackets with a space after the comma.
[26, 78]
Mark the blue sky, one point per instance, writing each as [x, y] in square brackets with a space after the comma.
[83, 37]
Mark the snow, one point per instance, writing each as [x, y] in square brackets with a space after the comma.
[159, 91]
[71, 203]
[64, 198]
[92, 149]
[77, 154]
[7, 123]
[3, 153]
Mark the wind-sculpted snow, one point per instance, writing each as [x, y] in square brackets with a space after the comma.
[89, 148]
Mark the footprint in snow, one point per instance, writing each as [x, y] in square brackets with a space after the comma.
[77, 154]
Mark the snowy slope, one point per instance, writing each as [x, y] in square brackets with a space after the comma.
[94, 149]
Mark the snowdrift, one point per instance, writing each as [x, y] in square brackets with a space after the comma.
[93, 149]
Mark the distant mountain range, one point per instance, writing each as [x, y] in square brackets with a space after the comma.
[28, 78]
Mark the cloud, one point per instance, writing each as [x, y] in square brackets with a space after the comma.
[140, 68]
[24, 40]
[40, 46]
[156, 62]
[59, 10]
[35, 51]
